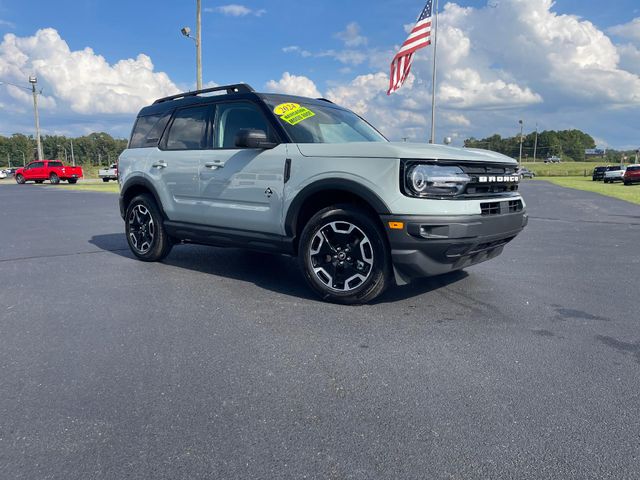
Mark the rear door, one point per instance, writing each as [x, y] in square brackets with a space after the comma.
[241, 188]
[174, 165]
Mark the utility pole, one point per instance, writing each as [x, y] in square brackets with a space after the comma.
[199, 44]
[535, 147]
[33, 80]
[521, 133]
[73, 158]
[24, 162]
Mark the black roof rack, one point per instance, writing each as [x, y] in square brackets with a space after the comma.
[237, 88]
[324, 100]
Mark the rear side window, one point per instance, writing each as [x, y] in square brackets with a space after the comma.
[233, 117]
[55, 164]
[148, 130]
[188, 131]
[633, 169]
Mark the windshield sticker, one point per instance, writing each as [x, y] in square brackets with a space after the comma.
[292, 113]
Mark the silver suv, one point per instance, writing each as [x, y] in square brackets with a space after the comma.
[308, 178]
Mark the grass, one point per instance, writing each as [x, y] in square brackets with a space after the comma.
[567, 169]
[111, 187]
[629, 193]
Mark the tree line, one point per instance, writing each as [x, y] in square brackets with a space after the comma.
[569, 145]
[93, 149]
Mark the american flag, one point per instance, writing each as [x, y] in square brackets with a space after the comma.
[419, 37]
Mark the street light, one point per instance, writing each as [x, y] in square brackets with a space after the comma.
[521, 133]
[186, 32]
[33, 80]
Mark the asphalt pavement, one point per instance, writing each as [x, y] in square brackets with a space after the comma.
[221, 364]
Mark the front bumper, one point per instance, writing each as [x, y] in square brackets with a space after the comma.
[433, 245]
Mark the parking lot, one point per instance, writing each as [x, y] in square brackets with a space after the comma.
[222, 364]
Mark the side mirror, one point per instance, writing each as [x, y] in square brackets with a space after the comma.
[250, 138]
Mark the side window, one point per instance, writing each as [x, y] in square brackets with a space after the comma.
[55, 164]
[188, 129]
[148, 130]
[233, 117]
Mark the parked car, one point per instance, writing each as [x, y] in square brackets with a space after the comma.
[614, 175]
[3, 174]
[52, 170]
[553, 159]
[599, 172]
[525, 173]
[308, 178]
[10, 171]
[110, 173]
[631, 175]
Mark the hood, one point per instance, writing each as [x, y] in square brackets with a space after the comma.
[419, 151]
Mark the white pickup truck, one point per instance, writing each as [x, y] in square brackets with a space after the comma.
[614, 174]
[110, 173]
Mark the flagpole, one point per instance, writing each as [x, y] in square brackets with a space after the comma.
[433, 80]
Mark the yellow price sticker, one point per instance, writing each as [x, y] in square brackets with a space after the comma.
[292, 113]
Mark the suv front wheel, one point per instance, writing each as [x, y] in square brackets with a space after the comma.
[147, 238]
[344, 256]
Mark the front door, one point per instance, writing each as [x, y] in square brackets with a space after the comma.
[241, 188]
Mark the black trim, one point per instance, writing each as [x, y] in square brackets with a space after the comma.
[138, 182]
[287, 170]
[229, 237]
[348, 186]
[432, 245]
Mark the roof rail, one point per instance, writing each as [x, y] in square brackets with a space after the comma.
[237, 88]
[324, 100]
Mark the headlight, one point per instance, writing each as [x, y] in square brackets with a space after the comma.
[422, 180]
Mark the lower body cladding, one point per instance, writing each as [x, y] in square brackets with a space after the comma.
[424, 246]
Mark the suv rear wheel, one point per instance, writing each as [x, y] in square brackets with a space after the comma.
[344, 256]
[147, 238]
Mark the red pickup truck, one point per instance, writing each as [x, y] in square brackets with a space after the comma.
[52, 170]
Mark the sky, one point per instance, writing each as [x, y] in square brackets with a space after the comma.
[558, 65]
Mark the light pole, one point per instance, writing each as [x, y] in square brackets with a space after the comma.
[73, 158]
[186, 31]
[24, 162]
[521, 132]
[535, 146]
[33, 80]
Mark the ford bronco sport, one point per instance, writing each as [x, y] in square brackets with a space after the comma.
[308, 178]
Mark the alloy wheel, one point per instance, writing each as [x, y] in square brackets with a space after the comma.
[341, 255]
[142, 229]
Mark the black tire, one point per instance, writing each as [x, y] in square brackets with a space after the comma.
[144, 227]
[54, 179]
[105, 180]
[626, 183]
[360, 254]
[20, 179]
[73, 181]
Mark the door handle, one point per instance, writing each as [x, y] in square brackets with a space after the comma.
[215, 164]
[159, 165]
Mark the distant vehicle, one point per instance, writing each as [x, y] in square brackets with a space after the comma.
[631, 175]
[614, 175]
[52, 170]
[525, 173]
[3, 174]
[10, 171]
[599, 172]
[553, 159]
[110, 173]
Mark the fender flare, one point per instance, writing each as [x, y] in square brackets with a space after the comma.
[349, 186]
[139, 182]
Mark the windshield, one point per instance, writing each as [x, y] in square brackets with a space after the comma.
[313, 123]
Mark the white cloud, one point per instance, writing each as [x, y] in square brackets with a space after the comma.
[80, 81]
[7, 24]
[294, 85]
[630, 31]
[348, 57]
[357, 94]
[235, 10]
[296, 49]
[351, 36]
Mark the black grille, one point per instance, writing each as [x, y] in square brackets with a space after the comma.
[492, 208]
[515, 206]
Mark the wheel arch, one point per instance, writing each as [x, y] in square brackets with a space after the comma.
[137, 186]
[324, 193]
